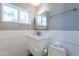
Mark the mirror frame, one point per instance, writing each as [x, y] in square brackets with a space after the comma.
[35, 25]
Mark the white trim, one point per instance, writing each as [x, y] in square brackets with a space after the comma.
[19, 9]
[12, 6]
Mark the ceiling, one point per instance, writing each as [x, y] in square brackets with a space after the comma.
[35, 4]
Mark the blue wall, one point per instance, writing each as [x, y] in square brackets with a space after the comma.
[66, 21]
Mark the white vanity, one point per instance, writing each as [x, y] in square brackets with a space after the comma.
[36, 44]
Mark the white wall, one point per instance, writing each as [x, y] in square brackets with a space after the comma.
[14, 43]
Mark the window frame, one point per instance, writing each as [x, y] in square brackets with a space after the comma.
[25, 12]
[12, 6]
[18, 17]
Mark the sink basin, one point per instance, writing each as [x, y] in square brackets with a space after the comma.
[38, 37]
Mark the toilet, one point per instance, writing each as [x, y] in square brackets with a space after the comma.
[56, 51]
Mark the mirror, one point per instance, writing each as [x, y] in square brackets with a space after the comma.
[41, 20]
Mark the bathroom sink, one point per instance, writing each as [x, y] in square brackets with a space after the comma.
[36, 44]
[38, 37]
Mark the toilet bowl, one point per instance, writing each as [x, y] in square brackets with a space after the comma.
[56, 51]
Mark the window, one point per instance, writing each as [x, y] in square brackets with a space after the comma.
[25, 17]
[41, 21]
[10, 14]
[44, 20]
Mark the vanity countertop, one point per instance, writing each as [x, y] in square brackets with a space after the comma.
[38, 37]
